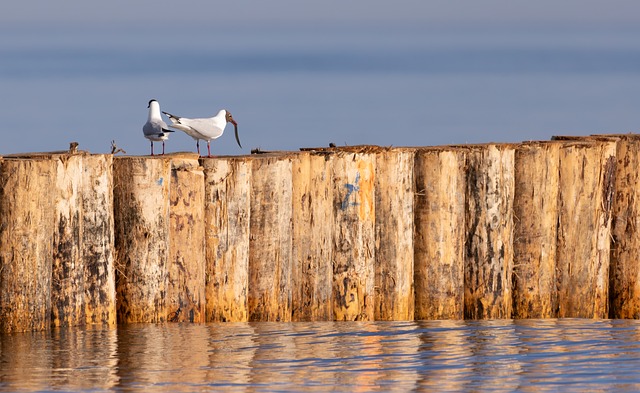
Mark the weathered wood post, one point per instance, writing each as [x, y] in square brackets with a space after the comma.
[98, 240]
[587, 180]
[354, 234]
[227, 208]
[535, 210]
[312, 270]
[489, 228]
[625, 260]
[439, 242]
[394, 212]
[270, 239]
[26, 253]
[185, 294]
[67, 282]
[83, 275]
[141, 205]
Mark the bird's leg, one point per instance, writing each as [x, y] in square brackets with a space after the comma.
[163, 148]
[208, 149]
[198, 145]
[151, 147]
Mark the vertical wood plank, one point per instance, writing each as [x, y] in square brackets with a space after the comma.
[587, 180]
[141, 204]
[227, 211]
[354, 236]
[270, 239]
[98, 240]
[625, 263]
[312, 272]
[394, 287]
[535, 230]
[26, 249]
[440, 184]
[185, 297]
[489, 227]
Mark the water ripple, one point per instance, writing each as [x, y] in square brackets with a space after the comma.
[525, 355]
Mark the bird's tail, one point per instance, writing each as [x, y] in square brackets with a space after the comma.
[173, 118]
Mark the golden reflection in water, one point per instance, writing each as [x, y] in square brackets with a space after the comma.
[231, 349]
[443, 345]
[524, 355]
[82, 358]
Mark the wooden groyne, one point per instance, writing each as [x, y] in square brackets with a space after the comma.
[531, 230]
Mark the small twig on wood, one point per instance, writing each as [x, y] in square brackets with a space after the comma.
[115, 149]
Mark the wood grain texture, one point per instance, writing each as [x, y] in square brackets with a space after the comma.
[26, 246]
[440, 184]
[489, 232]
[313, 225]
[141, 205]
[354, 236]
[270, 239]
[394, 212]
[227, 210]
[535, 230]
[587, 180]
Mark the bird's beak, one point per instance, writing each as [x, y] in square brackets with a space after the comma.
[235, 125]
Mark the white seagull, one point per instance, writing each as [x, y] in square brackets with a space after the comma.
[155, 129]
[205, 129]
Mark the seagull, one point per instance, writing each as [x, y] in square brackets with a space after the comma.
[155, 129]
[206, 129]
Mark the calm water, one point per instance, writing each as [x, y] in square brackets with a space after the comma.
[525, 355]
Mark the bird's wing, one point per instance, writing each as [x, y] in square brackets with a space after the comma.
[153, 128]
[206, 128]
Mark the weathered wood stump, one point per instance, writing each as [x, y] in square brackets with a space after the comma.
[354, 235]
[394, 212]
[227, 208]
[440, 185]
[625, 260]
[98, 240]
[270, 239]
[26, 249]
[587, 180]
[312, 204]
[489, 232]
[83, 275]
[67, 282]
[185, 294]
[141, 205]
[535, 210]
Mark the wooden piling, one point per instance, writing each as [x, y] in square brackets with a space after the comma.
[587, 173]
[535, 210]
[312, 208]
[354, 234]
[394, 212]
[269, 296]
[440, 184]
[141, 205]
[185, 293]
[83, 275]
[625, 264]
[227, 208]
[67, 282]
[26, 252]
[489, 232]
[98, 240]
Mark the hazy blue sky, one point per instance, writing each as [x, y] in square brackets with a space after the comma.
[165, 14]
[299, 73]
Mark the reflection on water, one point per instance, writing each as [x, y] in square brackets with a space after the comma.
[522, 355]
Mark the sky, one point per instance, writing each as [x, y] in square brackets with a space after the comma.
[255, 34]
[164, 14]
